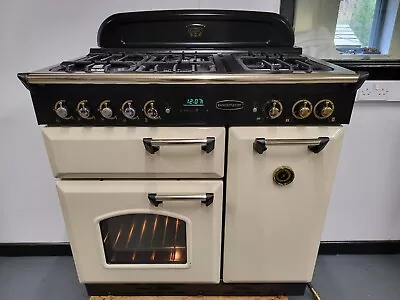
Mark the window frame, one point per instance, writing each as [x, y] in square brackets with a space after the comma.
[288, 10]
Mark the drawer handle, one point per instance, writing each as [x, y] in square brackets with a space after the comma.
[153, 145]
[314, 145]
[156, 199]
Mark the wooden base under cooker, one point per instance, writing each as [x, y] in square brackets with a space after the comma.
[221, 289]
[185, 298]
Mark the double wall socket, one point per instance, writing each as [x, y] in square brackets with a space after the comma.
[379, 90]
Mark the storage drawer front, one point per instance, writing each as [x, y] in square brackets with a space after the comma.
[118, 235]
[119, 152]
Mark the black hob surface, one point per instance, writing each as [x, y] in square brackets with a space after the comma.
[103, 61]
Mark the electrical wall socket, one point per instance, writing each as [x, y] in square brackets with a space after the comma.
[379, 90]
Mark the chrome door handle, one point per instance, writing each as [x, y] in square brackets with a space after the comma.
[153, 145]
[314, 145]
[156, 199]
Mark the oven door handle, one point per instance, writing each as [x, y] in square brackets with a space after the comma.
[153, 145]
[314, 145]
[156, 199]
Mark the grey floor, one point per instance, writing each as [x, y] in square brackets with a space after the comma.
[364, 277]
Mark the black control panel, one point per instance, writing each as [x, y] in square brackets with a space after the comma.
[192, 105]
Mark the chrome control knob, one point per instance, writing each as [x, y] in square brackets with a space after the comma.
[62, 112]
[129, 112]
[107, 113]
[106, 110]
[150, 110]
[83, 110]
[152, 113]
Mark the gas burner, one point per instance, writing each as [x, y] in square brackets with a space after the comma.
[134, 62]
[119, 67]
[135, 58]
[279, 63]
[179, 67]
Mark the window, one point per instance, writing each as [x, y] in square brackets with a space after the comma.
[144, 239]
[354, 25]
[332, 28]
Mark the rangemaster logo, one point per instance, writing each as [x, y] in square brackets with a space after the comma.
[195, 30]
[229, 105]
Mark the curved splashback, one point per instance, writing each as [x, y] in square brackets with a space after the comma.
[195, 28]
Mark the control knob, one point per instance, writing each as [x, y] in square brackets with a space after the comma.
[128, 111]
[302, 109]
[61, 110]
[83, 110]
[273, 109]
[150, 110]
[324, 109]
[106, 111]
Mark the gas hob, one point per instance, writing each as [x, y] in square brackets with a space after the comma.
[176, 62]
[167, 69]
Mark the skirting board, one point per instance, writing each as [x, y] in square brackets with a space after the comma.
[326, 248]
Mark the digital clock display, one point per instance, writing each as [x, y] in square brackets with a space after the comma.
[194, 102]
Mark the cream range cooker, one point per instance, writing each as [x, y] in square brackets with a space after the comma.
[194, 152]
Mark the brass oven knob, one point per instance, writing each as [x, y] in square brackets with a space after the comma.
[304, 112]
[324, 109]
[302, 109]
[273, 109]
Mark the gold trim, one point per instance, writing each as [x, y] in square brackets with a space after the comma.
[318, 103]
[140, 78]
[298, 102]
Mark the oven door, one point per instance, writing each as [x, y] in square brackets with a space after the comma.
[279, 182]
[135, 152]
[144, 231]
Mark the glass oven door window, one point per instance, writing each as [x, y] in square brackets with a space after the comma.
[144, 239]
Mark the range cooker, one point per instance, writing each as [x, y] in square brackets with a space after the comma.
[195, 153]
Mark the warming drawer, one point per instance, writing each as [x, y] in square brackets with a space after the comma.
[135, 152]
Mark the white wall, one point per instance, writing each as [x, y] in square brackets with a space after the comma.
[365, 204]
[34, 34]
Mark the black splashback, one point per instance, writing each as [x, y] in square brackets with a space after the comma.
[195, 28]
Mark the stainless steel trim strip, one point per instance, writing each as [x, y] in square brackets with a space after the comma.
[202, 197]
[283, 142]
[87, 78]
[177, 142]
